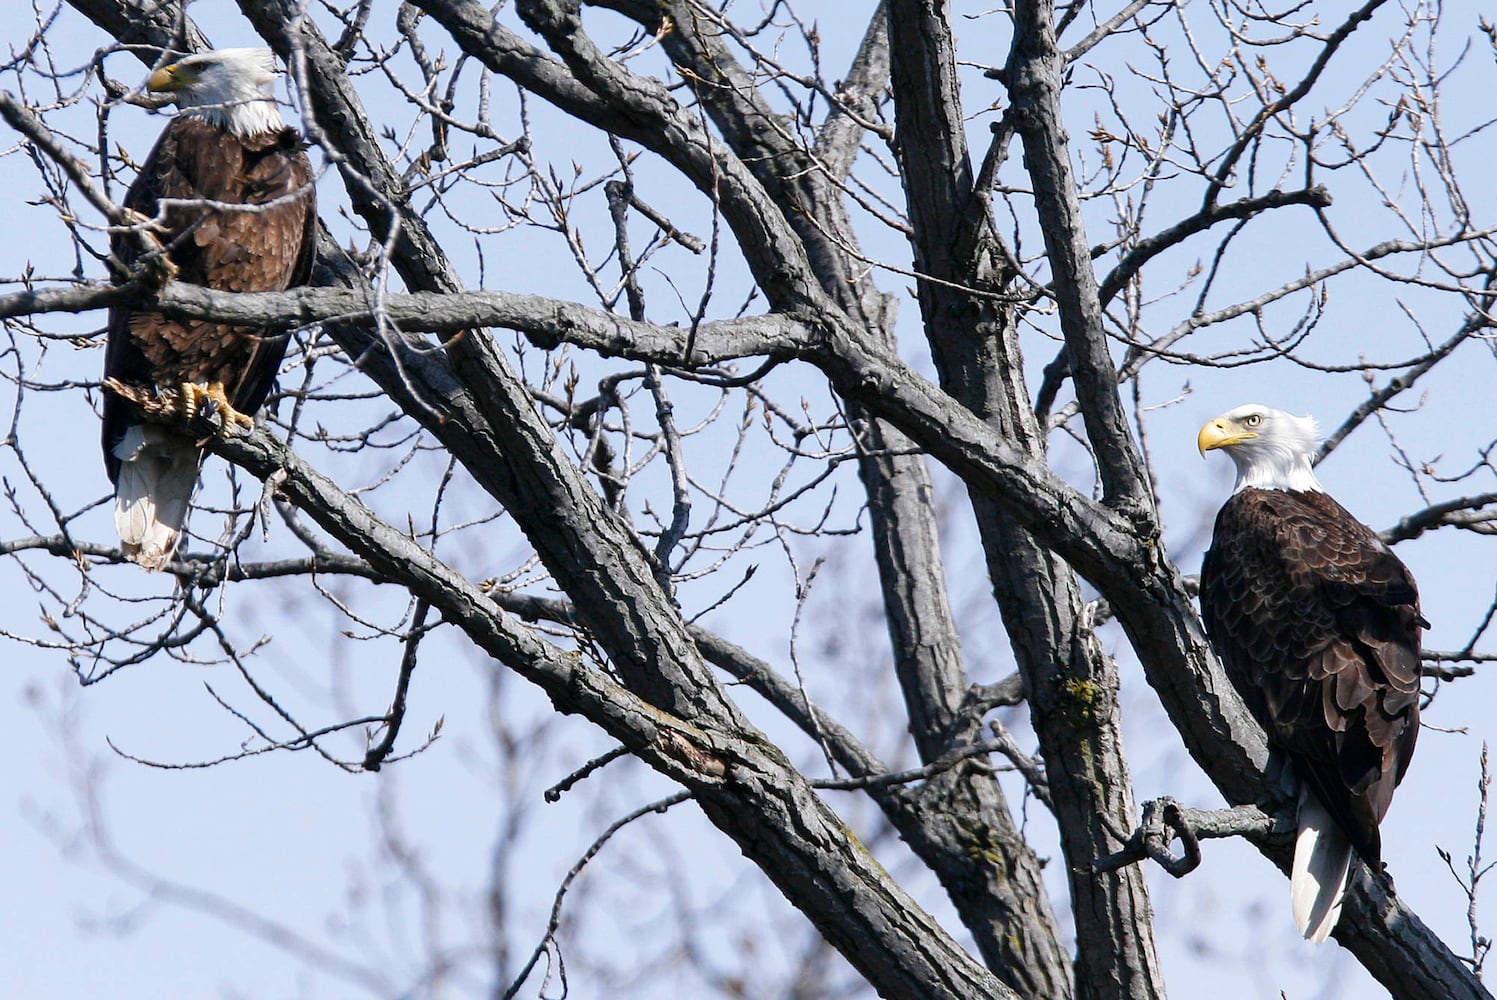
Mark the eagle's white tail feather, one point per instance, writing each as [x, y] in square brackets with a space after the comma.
[1322, 857]
[158, 471]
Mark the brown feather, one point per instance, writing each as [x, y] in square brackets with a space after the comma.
[1317, 623]
[226, 250]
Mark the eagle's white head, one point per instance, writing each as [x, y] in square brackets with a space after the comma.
[228, 87]
[1272, 449]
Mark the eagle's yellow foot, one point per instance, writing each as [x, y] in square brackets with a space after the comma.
[194, 396]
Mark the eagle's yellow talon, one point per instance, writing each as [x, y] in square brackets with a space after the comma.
[195, 395]
[191, 392]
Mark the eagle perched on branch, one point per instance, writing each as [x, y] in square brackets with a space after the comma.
[1317, 623]
[165, 378]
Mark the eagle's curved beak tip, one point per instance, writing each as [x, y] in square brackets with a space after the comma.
[163, 79]
[1216, 434]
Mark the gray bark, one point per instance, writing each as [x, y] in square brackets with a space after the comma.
[766, 807]
[961, 825]
[1072, 684]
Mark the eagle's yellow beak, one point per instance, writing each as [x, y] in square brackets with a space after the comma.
[1219, 434]
[170, 78]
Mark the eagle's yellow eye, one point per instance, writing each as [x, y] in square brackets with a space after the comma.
[1253, 419]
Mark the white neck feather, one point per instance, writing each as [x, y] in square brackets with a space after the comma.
[1276, 470]
[242, 117]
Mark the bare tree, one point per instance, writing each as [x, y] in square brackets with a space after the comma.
[608, 313]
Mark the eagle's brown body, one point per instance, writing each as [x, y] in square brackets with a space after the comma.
[1317, 623]
[268, 251]
[230, 147]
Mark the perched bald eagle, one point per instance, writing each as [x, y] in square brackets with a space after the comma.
[1317, 623]
[164, 376]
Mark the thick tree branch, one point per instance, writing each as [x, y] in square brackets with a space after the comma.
[727, 767]
[1034, 70]
[1458, 512]
[1147, 249]
[1002, 905]
[545, 321]
[1071, 682]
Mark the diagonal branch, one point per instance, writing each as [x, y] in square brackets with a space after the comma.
[1034, 71]
[731, 770]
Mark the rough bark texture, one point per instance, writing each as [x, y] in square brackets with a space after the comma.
[1034, 69]
[1072, 684]
[770, 812]
[959, 823]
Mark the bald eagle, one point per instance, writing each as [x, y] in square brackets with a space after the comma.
[1317, 623]
[163, 377]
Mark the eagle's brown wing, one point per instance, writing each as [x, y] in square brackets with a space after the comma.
[1317, 623]
[223, 249]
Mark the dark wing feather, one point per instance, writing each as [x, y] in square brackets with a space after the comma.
[226, 250]
[123, 358]
[287, 241]
[1317, 623]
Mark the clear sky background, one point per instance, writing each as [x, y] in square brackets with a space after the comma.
[282, 876]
